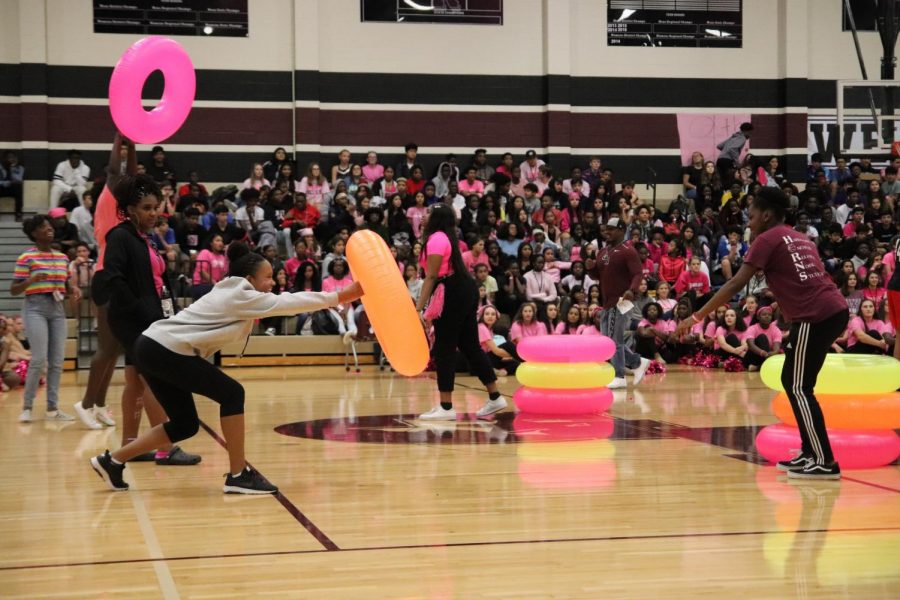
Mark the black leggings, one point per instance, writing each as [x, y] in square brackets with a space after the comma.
[804, 355]
[754, 359]
[861, 348]
[457, 327]
[510, 365]
[174, 378]
[733, 341]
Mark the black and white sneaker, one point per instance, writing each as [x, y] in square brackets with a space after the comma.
[798, 462]
[109, 471]
[248, 482]
[813, 470]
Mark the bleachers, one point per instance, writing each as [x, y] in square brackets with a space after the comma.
[293, 350]
[12, 243]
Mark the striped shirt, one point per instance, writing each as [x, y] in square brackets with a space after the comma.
[53, 263]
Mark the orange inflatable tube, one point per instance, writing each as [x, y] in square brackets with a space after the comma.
[388, 304]
[851, 411]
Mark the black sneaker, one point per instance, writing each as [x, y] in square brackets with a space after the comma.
[796, 463]
[109, 471]
[179, 457]
[248, 482]
[816, 471]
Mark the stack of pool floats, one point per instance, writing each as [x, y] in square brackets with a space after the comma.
[565, 375]
[860, 403]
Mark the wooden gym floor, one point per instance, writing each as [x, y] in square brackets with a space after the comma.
[661, 500]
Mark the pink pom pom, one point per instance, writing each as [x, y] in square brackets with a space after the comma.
[656, 368]
[22, 369]
[734, 364]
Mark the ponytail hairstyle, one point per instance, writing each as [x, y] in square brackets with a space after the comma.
[246, 265]
[443, 218]
[242, 262]
[130, 190]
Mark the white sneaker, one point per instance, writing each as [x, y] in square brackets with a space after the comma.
[438, 414]
[58, 415]
[618, 383]
[270, 331]
[641, 371]
[348, 338]
[25, 417]
[491, 406]
[104, 416]
[87, 416]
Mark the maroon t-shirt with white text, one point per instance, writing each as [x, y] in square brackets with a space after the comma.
[795, 275]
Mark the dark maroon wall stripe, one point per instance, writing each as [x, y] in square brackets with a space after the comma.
[92, 124]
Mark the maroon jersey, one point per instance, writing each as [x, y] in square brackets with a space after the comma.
[795, 275]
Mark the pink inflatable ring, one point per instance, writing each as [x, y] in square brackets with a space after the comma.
[566, 348]
[562, 402]
[853, 449]
[127, 82]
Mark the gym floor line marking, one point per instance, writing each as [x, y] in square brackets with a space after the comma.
[160, 567]
[289, 506]
[614, 538]
[870, 484]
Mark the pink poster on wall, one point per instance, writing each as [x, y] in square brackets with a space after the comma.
[699, 132]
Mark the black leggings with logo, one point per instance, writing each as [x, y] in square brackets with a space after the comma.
[804, 355]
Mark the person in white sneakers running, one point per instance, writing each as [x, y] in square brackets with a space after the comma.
[456, 326]
[618, 269]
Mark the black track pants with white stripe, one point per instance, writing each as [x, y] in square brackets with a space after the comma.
[804, 356]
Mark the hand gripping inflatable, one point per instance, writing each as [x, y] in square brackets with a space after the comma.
[874, 411]
[127, 82]
[566, 348]
[856, 449]
[562, 402]
[388, 305]
[843, 374]
[569, 376]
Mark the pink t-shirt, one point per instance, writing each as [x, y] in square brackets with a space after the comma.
[588, 330]
[373, 172]
[106, 216]
[561, 329]
[520, 330]
[438, 243]
[668, 304]
[466, 188]
[416, 214]
[470, 260]
[484, 336]
[215, 264]
[330, 284]
[710, 331]
[723, 332]
[315, 192]
[158, 266]
[663, 325]
[772, 333]
[857, 323]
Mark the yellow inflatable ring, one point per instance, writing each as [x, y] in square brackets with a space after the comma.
[568, 376]
[843, 374]
[875, 411]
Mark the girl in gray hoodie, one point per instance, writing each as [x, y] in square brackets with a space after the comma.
[171, 354]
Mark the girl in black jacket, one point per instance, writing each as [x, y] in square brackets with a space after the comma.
[135, 275]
